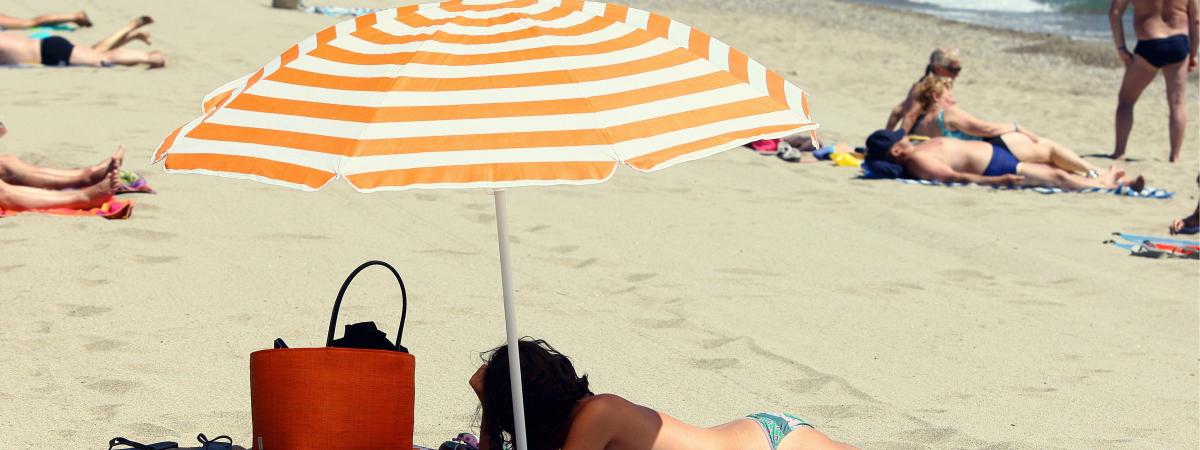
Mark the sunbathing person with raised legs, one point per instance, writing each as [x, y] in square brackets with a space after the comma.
[561, 412]
[941, 117]
[992, 162]
[58, 51]
[79, 18]
[25, 186]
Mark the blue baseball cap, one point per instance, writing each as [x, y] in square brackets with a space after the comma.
[879, 144]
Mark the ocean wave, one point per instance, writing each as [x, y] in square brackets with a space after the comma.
[1019, 6]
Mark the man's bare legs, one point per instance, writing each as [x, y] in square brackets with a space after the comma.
[15, 172]
[1045, 175]
[24, 197]
[83, 56]
[123, 35]
[15, 23]
[1177, 81]
[1046, 151]
[1138, 74]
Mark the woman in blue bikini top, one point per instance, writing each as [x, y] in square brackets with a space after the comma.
[941, 117]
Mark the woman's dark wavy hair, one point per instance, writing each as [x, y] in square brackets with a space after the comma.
[551, 389]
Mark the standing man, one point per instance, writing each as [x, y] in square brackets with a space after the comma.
[1168, 32]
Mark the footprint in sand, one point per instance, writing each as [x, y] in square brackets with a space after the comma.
[147, 259]
[659, 324]
[86, 311]
[426, 197]
[291, 237]
[145, 235]
[808, 384]
[7, 269]
[483, 218]
[928, 435]
[636, 277]
[112, 386]
[104, 413]
[477, 206]
[104, 345]
[586, 262]
[714, 363]
[537, 228]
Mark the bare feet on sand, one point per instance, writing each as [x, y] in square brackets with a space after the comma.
[1189, 222]
[96, 173]
[81, 19]
[96, 194]
[143, 36]
[142, 21]
[157, 60]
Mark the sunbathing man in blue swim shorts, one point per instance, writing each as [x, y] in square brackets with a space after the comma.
[561, 412]
[989, 162]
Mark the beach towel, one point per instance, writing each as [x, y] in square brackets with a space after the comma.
[46, 31]
[132, 183]
[339, 11]
[112, 209]
[1124, 191]
[1156, 247]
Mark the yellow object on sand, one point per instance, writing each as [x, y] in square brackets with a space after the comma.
[845, 160]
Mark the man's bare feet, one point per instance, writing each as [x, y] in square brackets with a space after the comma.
[142, 21]
[143, 36]
[96, 194]
[157, 60]
[81, 19]
[96, 173]
[1137, 184]
[1113, 177]
[1189, 223]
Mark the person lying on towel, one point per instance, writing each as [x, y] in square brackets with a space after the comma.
[563, 413]
[991, 162]
[940, 116]
[57, 51]
[24, 186]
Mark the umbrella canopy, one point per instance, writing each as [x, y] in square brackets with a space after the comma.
[487, 94]
[491, 94]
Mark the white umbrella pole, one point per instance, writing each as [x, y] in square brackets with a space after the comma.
[510, 321]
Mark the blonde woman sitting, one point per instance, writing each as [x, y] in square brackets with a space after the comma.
[940, 116]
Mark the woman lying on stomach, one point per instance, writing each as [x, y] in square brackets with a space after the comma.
[562, 413]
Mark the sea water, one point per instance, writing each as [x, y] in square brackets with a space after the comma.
[1076, 19]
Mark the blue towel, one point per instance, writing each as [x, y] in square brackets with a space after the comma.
[340, 11]
[1124, 191]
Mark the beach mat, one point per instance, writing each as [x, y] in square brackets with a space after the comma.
[1147, 192]
[1156, 247]
[112, 209]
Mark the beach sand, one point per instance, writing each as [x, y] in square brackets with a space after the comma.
[891, 316]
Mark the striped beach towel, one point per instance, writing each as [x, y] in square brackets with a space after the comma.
[1156, 247]
[1147, 192]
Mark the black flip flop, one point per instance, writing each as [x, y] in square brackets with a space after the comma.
[138, 445]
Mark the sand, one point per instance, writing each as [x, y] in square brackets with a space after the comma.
[891, 316]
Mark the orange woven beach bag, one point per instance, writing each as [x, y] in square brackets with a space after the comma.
[334, 398]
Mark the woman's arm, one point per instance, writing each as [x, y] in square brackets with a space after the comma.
[963, 121]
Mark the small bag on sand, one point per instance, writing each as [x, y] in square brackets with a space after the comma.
[340, 396]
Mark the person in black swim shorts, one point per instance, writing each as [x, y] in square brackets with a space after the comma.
[1168, 32]
[58, 51]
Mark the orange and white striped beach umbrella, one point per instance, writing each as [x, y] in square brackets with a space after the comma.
[490, 94]
[487, 93]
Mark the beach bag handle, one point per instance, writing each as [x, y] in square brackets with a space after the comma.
[338, 303]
